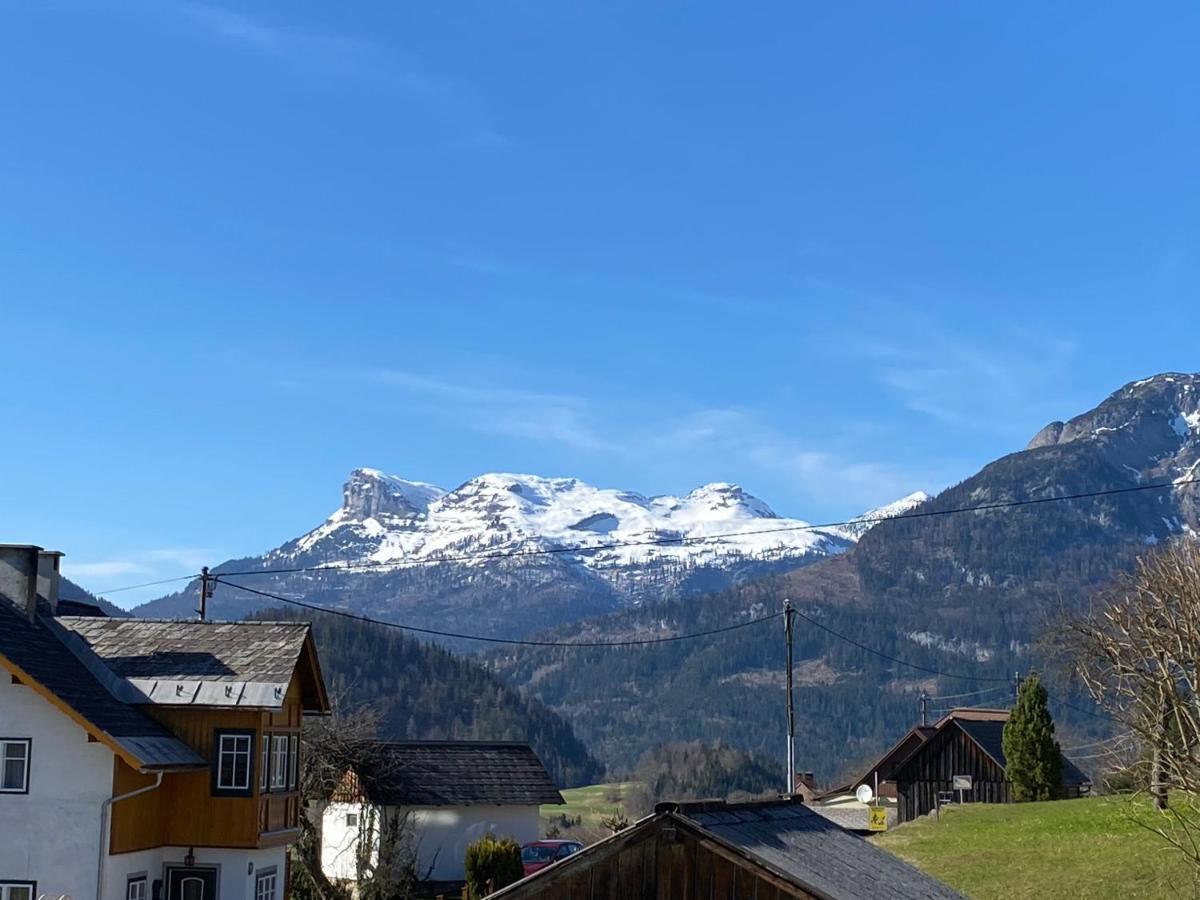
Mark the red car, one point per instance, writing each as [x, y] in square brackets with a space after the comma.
[536, 855]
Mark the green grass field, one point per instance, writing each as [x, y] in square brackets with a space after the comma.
[591, 804]
[1070, 849]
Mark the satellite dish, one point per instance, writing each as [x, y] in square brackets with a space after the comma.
[864, 793]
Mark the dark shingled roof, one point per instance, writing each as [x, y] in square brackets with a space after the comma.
[35, 650]
[813, 852]
[458, 773]
[989, 735]
[782, 837]
[183, 651]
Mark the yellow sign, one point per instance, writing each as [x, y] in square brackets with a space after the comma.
[878, 818]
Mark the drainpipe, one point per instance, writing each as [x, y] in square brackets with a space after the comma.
[105, 808]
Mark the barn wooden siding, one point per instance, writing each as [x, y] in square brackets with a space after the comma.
[666, 861]
[932, 769]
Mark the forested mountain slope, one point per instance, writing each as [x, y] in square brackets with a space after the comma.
[422, 692]
[966, 593]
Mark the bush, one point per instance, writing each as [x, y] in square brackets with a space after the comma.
[492, 863]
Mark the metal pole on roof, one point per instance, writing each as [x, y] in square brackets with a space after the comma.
[788, 617]
[924, 709]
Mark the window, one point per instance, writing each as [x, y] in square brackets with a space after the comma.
[135, 888]
[14, 767]
[351, 820]
[279, 765]
[234, 763]
[264, 765]
[264, 885]
[294, 762]
[17, 890]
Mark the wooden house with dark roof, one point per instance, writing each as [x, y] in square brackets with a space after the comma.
[965, 742]
[767, 850]
[447, 793]
[145, 759]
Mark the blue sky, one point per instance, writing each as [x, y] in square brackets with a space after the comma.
[834, 252]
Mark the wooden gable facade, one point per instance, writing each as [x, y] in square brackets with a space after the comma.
[665, 858]
[931, 768]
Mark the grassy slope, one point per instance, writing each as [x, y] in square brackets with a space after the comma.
[1075, 848]
[591, 804]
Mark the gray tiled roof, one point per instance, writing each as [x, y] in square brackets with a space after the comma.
[42, 656]
[152, 649]
[458, 773]
[816, 854]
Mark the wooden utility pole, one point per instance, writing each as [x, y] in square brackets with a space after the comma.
[205, 593]
[788, 616]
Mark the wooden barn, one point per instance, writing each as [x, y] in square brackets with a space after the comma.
[966, 742]
[760, 850]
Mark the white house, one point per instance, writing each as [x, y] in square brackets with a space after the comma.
[141, 759]
[447, 793]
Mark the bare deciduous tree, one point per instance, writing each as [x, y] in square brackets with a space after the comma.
[1138, 655]
[385, 859]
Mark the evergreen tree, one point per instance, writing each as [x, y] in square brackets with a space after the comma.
[1033, 755]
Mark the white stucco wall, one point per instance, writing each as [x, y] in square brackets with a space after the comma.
[339, 841]
[52, 834]
[441, 835]
[237, 870]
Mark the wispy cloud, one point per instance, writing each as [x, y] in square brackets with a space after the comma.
[536, 415]
[352, 58]
[143, 565]
[968, 381]
[829, 475]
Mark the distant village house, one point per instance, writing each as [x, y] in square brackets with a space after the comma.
[445, 794]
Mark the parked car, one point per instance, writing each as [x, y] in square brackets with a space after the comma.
[536, 855]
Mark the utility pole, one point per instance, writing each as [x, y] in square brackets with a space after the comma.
[788, 616]
[1016, 687]
[205, 593]
[924, 709]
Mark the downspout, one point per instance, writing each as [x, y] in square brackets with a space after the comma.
[105, 809]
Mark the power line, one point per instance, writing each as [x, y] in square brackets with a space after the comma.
[495, 640]
[134, 587]
[1116, 739]
[990, 690]
[898, 661]
[685, 540]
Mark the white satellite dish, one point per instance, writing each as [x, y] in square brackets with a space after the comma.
[864, 794]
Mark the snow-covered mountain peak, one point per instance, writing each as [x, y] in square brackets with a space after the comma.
[370, 493]
[861, 524]
[385, 519]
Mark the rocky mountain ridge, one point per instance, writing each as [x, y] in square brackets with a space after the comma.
[518, 552]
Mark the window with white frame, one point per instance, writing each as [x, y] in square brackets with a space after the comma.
[14, 766]
[264, 885]
[279, 765]
[135, 888]
[294, 762]
[351, 820]
[17, 890]
[234, 762]
[264, 771]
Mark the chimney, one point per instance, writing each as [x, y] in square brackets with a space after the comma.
[19, 565]
[48, 580]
